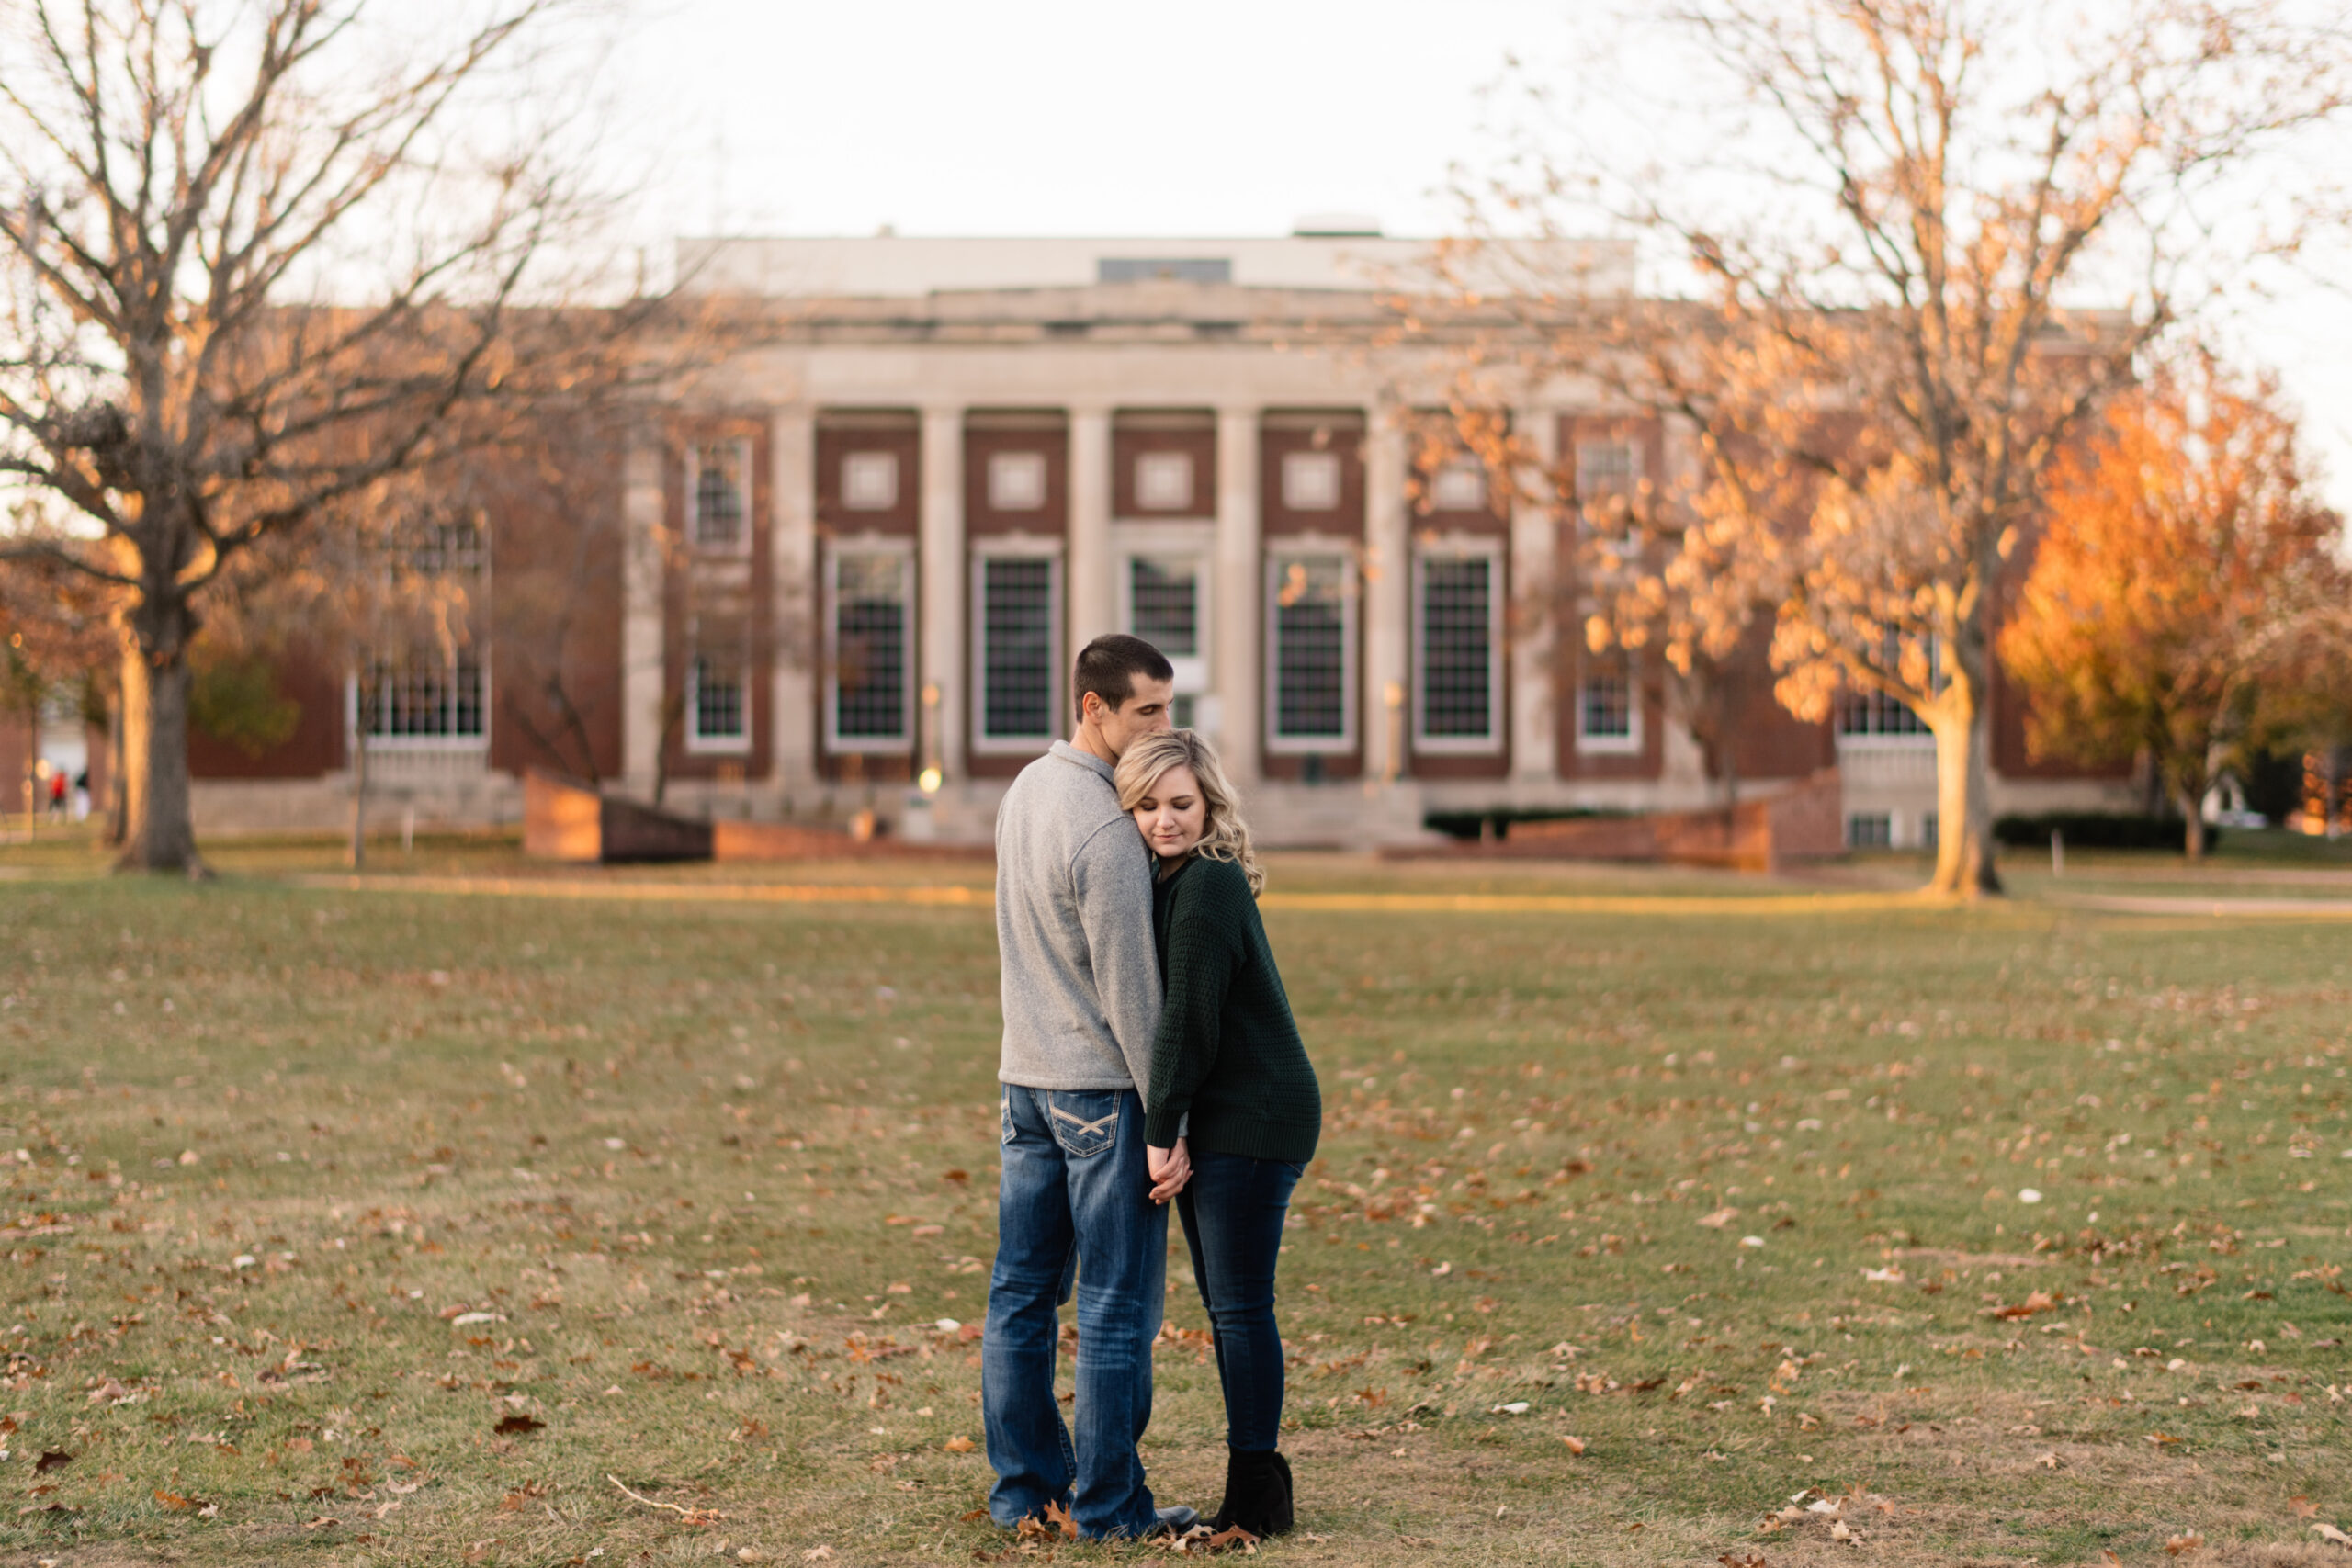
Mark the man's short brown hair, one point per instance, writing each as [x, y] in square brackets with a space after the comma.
[1108, 667]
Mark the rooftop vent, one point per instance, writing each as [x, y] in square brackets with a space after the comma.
[1155, 269]
[1336, 226]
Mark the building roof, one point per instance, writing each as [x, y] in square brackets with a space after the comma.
[888, 266]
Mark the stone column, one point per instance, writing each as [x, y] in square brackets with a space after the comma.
[944, 584]
[1535, 705]
[1387, 589]
[643, 523]
[1234, 672]
[1087, 566]
[795, 600]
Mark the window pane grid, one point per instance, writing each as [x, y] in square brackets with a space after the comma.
[1311, 650]
[870, 647]
[1875, 713]
[419, 701]
[1457, 649]
[718, 712]
[1606, 703]
[1017, 648]
[719, 508]
[1164, 605]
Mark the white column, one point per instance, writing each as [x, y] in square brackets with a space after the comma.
[796, 603]
[1093, 602]
[943, 581]
[1234, 671]
[643, 547]
[1387, 587]
[1535, 705]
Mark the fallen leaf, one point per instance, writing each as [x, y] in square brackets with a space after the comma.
[2047, 1461]
[2182, 1545]
[173, 1501]
[2303, 1507]
[974, 1516]
[1753, 1559]
[1575, 1445]
[816, 1554]
[1719, 1219]
[518, 1424]
[55, 1459]
[959, 1444]
[1838, 1531]
[323, 1521]
[2330, 1533]
[1059, 1517]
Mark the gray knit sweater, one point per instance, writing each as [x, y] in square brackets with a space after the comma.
[1073, 929]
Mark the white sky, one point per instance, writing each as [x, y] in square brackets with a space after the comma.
[1212, 118]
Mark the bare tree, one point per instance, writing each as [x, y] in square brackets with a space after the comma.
[263, 254]
[1889, 215]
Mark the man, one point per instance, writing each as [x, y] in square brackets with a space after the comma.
[1081, 1001]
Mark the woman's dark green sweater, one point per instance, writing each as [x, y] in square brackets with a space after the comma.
[1227, 1053]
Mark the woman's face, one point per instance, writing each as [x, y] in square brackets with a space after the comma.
[1171, 813]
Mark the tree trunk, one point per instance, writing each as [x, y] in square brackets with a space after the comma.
[159, 834]
[118, 791]
[1963, 734]
[2190, 794]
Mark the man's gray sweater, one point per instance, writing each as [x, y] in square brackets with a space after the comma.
[1073, 929]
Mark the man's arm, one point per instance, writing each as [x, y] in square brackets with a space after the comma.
[1111, 879]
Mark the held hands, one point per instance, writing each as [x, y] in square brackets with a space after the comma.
[1170, 1168]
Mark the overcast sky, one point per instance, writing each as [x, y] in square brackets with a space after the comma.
[1213, 117]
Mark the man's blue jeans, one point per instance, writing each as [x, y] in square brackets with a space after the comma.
[1075, 1193]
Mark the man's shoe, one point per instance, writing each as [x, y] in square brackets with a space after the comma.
[1176, 1520]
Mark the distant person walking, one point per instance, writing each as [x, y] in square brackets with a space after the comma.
[1235, 1107]
[1082, 1002]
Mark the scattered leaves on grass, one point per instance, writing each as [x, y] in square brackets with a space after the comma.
[2182, 1545]
[1753, 1559]
[518, 1424]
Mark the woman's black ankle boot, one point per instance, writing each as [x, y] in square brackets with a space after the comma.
[1257, 1494]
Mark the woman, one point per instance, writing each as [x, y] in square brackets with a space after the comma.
[1233, 1111]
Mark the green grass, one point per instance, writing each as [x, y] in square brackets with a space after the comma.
[718, 1171]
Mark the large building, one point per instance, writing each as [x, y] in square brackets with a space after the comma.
[856, 550]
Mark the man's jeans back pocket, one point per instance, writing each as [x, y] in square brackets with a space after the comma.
[1084, 1124]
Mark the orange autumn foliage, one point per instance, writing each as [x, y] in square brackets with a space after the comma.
[2184, 584]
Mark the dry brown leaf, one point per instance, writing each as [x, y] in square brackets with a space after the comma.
[2303, 1507]
[958, 1444]
[1753, 1559]
[2182, 1545]
[513, 1423]
[55, 1459]
[1575, 1445]
[2328, 1532]
[1058, 1519]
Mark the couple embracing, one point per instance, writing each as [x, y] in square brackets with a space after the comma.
[1150, 1057]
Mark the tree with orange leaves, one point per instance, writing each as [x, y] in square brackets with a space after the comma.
[2185, 583]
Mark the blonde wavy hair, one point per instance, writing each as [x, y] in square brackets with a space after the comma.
[1224, 835]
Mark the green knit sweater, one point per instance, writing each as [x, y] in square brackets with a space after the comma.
[1227, 1053]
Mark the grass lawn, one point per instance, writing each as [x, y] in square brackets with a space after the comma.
[382, 1225]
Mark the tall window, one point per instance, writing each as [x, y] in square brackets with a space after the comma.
[1164, 604]
[1458, 653]
[1876, 714]
[1310, 612]
[1608, 473]
[719, 495]
[718, 707]
[869, 628]
[1016, 622]
[423, 699]
[1607, 717]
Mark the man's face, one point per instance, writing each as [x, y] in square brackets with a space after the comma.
[1144, 713]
